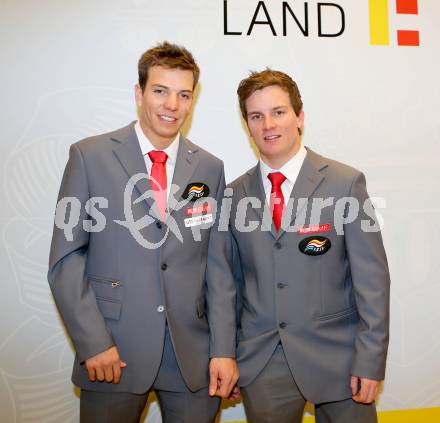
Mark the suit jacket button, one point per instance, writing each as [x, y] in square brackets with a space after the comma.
[158, 225]
[163, 266]
[283, 325]
[160, 309]
[278, 245]
[281, 285]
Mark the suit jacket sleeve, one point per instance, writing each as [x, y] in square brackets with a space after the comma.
[221, 294]
[73, 295]
[371, 282]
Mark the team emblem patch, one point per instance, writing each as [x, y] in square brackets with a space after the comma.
[314, 245]
[195, 191]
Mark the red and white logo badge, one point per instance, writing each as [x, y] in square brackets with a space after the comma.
[314, 229]
[202, 209]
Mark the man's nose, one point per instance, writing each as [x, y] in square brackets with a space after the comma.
[172, 102]
[268, 122]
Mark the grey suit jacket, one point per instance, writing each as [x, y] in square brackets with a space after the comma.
[330, 311]
[112, 291]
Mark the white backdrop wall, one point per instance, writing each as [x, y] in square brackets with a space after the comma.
[67, 71]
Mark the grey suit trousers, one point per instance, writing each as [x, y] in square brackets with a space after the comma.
[177, 403]
[274, 397]
[126, 407]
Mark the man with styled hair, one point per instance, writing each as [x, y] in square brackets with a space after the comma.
[141, 318]
[313, 301]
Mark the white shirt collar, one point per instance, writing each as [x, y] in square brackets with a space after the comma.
[146, 145]
[290, 169]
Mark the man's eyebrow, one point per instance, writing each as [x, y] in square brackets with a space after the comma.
[167, 88]
[256, 112]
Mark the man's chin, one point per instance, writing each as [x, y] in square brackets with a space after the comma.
[170, 135]
[169, 132]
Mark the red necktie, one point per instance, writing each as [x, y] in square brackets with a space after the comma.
[158, 180]
[276, 197]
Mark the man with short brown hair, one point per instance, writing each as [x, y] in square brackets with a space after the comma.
[169, 56]
[313, 275]
[147, 304]
[259, 80]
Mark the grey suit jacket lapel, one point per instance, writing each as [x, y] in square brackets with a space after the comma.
[308, 180]
[186, 163]
[253, 187]
[129, 154]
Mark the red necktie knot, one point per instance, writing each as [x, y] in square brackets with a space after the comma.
[276, 179]
[276, 197]
[158, 156]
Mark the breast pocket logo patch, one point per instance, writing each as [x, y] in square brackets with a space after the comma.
[195, 191]
[314, 245]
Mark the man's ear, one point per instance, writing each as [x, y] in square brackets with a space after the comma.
[138, 94]
[247, 127]
[300, 119]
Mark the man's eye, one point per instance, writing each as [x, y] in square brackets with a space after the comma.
[186, 96]
[158, 91]
[255, 117]
[280, 112]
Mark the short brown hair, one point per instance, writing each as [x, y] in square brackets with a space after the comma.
[259, 80]
[169, 56]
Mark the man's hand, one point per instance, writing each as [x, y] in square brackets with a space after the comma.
[105, 366]
[235, 393]
[364, 390]
[223, 376]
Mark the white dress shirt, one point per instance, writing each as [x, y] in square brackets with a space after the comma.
[290, 170]
[171, 151]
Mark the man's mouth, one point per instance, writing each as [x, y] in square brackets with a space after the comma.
[271, 137]
[167, 118]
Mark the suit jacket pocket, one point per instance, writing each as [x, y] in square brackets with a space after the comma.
[339, 315]
[107, 288]
[201, 307]
[109, 309]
